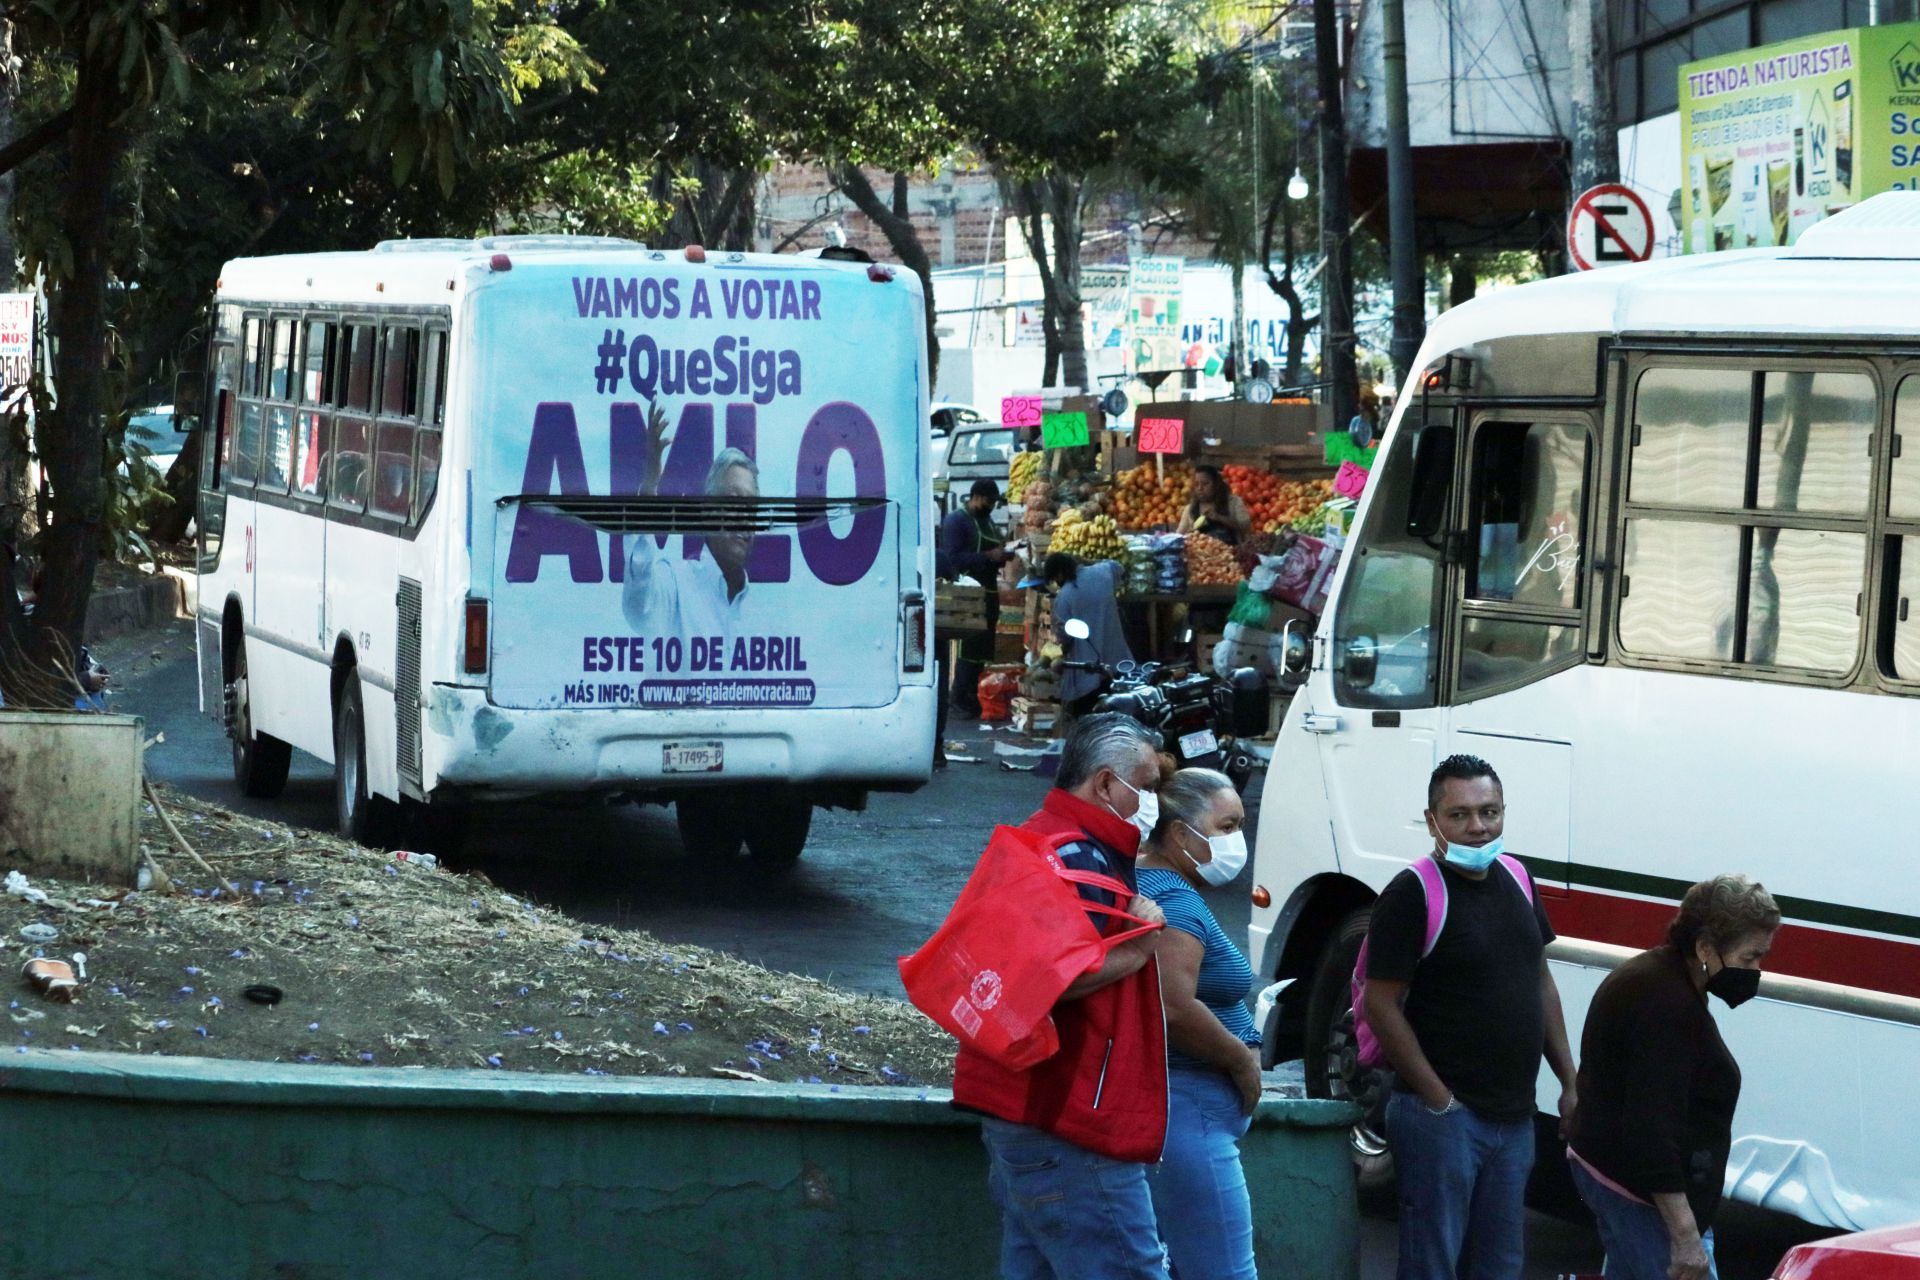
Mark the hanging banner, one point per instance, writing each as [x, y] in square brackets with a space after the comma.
[1156, 312]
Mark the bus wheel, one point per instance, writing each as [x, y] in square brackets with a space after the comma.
[778, 830]
[1332, 1066]
[710, 823]
[359, 815]
[260, 760]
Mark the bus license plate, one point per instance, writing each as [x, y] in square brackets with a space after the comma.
[1198, 743]
[693, 757]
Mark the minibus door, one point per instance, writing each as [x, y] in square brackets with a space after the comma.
[1375, 694]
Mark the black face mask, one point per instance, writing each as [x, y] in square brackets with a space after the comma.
[1735, 986]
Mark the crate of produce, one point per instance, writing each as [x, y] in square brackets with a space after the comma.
[959, 610]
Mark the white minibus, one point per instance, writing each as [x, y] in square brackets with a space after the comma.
[540, 515]
[1647, 539]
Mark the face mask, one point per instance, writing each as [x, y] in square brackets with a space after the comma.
[1735, 986]
[1473, 857]
[1229, 856]
[1147, 815]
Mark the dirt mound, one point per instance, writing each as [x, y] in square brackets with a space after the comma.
[391, 963]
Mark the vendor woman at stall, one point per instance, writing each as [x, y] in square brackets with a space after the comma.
[1214, 509]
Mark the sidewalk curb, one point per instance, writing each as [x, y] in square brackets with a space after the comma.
[162, 598]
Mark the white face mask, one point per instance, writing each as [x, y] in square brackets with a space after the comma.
[1147, 815]
[1229, 856]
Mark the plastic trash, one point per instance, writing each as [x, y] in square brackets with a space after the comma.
[418, 859]
[39, 933]
[52, 978]
[17, 887]
[1264, 1002]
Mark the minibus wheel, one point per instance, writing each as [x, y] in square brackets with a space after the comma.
[260, 760]
[778, 832]
[1330, 1068]
[359, 815]
[710, 823]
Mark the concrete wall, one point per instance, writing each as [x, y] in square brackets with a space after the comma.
[69, 795]
[135, 1167]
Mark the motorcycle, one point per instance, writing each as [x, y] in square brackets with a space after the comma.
[1201, 719]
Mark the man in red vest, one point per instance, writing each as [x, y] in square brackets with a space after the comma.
[1069, 1140]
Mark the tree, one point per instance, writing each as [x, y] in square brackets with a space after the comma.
[419, 80]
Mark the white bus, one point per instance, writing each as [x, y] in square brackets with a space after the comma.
[535, 515]
[1648, 540]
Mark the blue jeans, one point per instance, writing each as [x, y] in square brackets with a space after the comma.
[1067, 1213]
[1463, 1182]
[1199, 1188]
[1635, 1235]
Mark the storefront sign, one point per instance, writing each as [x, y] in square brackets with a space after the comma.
[16, 346]
[1777, 138]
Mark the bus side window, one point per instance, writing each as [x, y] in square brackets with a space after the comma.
[350, 462]
[393, 470]
[436, 413]
[277, 441]
[426, 474]
[1384, 650]
[1525, 531]
[310, 454]
[359, 380]
[400, 373]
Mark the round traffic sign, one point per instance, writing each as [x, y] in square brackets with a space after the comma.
[1609, 224]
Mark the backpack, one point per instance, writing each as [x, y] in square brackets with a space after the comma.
[1434, 881]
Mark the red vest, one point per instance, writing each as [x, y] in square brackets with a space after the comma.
[1106, 1088]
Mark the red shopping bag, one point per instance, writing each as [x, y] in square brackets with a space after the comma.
[1016, 936]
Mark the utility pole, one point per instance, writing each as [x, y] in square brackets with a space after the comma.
[1409, 283]
[1336, 287]
[1596, 140]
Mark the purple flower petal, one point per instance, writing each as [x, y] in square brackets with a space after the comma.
[365, 1056]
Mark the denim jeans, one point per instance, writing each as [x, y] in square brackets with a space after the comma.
[1067, 1213]
[1199, 1188]
[1463, 1180]
[1634, 1234]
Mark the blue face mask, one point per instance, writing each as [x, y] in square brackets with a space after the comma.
[1471, 857]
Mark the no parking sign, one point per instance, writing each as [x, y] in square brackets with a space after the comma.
[1609, 224]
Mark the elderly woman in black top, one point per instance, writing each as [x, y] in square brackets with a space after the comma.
[1648, 1145]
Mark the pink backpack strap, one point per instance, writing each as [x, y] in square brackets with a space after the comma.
[1434, 881]
[1518, 871]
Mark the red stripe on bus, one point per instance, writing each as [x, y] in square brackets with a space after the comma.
[1800, 951]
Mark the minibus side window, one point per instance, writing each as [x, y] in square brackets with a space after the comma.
[246, 438]
[277, 441]
[1384, 650]
[1903, 498]
[392, 493]
[310, 424]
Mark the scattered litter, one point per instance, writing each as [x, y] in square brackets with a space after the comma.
[79, 959]
[37, 932]
[267, 994]
[733, 1073]
[17, 887]
[52, 978]
[417, 859]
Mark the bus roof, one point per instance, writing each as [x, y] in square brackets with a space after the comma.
[430, 272]
[1853, 275]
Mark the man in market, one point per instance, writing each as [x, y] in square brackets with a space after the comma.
[974, 549]
[1088, 593]
[1069, 1139]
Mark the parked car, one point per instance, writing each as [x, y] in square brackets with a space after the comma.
[152, 429]
[943, 418]
[973, 451]
[1890, 1253]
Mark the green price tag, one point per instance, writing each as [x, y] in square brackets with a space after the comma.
[1060, 429]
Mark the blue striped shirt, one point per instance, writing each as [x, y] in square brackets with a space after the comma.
[1225, 975]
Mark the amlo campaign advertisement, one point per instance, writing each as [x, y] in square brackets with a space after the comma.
[782, 404]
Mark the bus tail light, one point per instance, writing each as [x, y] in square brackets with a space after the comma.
[695, 253]
[913, 616]
[1261, 898]
[474, 661]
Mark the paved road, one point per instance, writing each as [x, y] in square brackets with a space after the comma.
[871, 886]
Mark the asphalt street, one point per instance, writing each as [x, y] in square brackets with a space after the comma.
[871, 886]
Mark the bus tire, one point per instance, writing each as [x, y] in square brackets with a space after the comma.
[778, 832]
[260, 760]
[710, 824]
[359, 815]
[1329, 1070]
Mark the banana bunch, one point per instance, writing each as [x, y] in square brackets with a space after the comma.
[1024, 470]
[1090, 538]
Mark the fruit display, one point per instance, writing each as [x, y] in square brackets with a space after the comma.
[1211, 563]
[1023, 471]
[1142, 500]
[1273, 502]
[1089, 537]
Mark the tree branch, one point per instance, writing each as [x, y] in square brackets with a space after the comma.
[35, 140]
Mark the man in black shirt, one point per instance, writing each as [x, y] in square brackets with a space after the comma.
[1464, 1025]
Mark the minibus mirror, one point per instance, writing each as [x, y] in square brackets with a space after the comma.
[1296, 653]
[1361, 661]
[1077, 629]
[188, 386]
[1432, 482]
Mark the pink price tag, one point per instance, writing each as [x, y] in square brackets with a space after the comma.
[1350, 481]
[1020, 411]
[1161, 435]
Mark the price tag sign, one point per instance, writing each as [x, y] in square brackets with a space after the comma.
[1161, 435]
[1060, 429]
[1020, 411]
[1350, 481]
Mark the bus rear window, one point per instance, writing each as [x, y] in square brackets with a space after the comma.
[426, 476]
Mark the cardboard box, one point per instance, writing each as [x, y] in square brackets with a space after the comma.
[959, 609]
